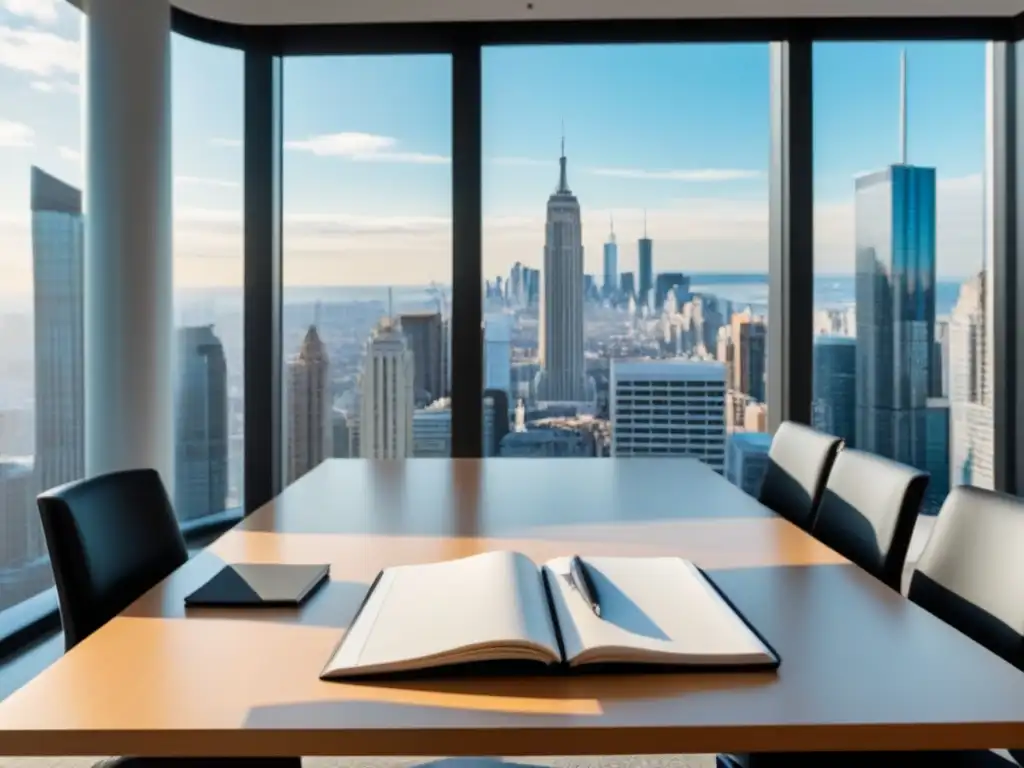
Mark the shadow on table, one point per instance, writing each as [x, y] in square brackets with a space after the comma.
[503, 701]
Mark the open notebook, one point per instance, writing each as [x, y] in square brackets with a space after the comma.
[502, 607]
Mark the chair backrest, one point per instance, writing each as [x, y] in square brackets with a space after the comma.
[868, 511]
[971, 573]
[798, 463]
[110, 539]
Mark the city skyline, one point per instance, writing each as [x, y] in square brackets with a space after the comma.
[368, 192]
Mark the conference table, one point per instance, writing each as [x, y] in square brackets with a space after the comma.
[862, 667]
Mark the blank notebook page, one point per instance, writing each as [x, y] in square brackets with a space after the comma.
[658, 608]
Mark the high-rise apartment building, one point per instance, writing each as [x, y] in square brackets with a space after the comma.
[668, 408]
[563, 377]
[57, 267]
[425, 333]
[385, 423]
[895, 299]
[645, 266]
[749, 342]
[834, 403]
[611, 262]
[310, 407]
[201, 424]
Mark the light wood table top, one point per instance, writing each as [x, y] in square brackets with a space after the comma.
[862, 667]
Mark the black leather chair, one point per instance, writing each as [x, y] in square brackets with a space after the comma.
[965, 577]
[110, 539]
[868, 511]
[798, 463]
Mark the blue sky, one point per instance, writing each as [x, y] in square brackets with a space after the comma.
[679, 131]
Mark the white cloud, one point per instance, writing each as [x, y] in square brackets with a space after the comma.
[222, 142]
[696, 174]
[54, 86]
[37, 10]
[37, 52]
[361, 147]
[68, 153]
[14, 134]
[205, 181]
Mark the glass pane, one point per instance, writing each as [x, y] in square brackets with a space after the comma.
[902, 330]
[41, 251]
[626, 248]
[208, 92]
[367, 258]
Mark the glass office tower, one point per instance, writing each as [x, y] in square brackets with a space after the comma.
[895, 295]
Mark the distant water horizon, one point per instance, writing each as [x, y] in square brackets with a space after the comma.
[832, 291]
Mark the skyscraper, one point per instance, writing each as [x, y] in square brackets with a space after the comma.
[201, 424]
[936, 454]
[385, 423]
[834, 403]
[671, 281]
[498, 353]
[747, 460]
[668, 408]
[627, 285]
[57, 256]
[425, 334]
[310, 407]
[645, 265]
[970, 411]
[563, 377]
[749, 339]
[895, 298]
[611, 262]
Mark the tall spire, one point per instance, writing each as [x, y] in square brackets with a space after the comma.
[645, 223]
[563, 179]
[611, 228]
[903, 107]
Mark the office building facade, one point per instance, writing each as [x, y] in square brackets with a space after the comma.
[201, 424]
[385, 423]
[498, 353]
[749, 355]
[747, 459]
[895, 300]
[57, 270]
[668, 408]
[425, 334]
[309, 408]
[834, 387]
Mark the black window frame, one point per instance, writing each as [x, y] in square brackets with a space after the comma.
[790, 210]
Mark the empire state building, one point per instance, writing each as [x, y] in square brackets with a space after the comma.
[563, 377]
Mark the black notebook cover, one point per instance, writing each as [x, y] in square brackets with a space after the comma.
[260, 585]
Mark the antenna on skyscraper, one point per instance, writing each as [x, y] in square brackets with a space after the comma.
[903, 107]
[391, 312]
[645, 223]
[611, 227]
[316, 315]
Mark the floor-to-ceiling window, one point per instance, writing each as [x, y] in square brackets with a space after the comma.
[207, 100]
[626, 251]
[367, 258]
[42, 422]
[903, 324]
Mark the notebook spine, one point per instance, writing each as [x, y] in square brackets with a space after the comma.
[545, 577]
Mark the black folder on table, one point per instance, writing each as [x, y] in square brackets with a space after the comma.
[260, 585]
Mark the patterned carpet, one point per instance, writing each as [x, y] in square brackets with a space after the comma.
[644, 761]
